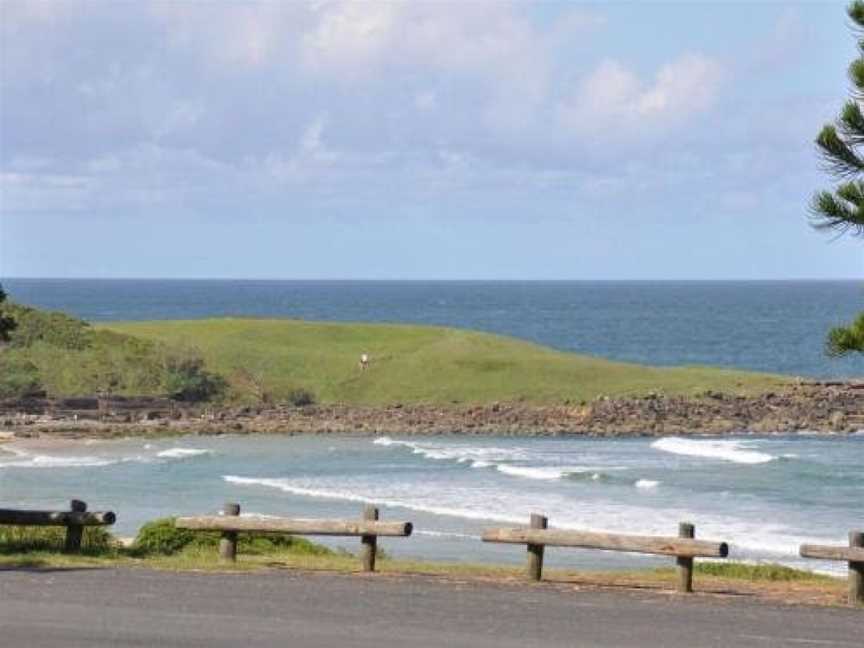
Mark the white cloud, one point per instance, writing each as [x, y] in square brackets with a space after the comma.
[614, 96]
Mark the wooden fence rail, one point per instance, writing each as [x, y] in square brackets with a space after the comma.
[75, 519]
[368, 528]
[537, 536]
[853, 554]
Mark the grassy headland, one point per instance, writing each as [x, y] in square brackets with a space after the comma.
[416, 364]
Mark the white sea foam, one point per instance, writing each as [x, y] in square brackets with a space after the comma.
[23, 459]
[646, 484]
[45, 461]
[288, 486]
[455, 452]
[182, 453]
[556, 472]
[501, 459]
[722, 449]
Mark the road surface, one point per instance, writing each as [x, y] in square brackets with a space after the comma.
[122, 607]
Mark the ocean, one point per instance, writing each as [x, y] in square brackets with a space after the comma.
[764, 495]
[774, 326]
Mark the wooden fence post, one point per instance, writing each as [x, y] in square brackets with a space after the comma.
[228, 542]
[75, 532]
[535, 552]
[685, 564]
[856, 571]
[369, 542]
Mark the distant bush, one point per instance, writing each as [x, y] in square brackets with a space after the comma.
[186, 379]
[161, 538]
[22, 539]
[18, 376]
[55, 329]
[7, 322]
[300, 397]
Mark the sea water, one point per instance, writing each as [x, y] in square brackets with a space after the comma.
[764, 495]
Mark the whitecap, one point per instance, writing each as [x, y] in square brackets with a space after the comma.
[182, 453]
[646, 484]
[723, 449]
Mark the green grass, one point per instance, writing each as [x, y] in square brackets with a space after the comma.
[757, 572]
[413, 364]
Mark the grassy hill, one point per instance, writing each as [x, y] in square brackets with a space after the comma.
[416, 364]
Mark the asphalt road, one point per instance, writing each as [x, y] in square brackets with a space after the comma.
[96, 608]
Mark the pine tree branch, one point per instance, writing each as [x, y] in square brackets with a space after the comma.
[838, 157]
[842, 211]
[851, 124]
[855, 11]
[856, 73]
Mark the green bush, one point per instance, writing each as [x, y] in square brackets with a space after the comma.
[18, 376]
[186, 379]
[15, 539]
[300, 397]
[161, 538]
[56, 329]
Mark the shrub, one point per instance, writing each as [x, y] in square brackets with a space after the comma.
[186, 379]
[18, 376]
[7, 322]
[161, 538]
[55, 329]
[22, 539]
[300, 397]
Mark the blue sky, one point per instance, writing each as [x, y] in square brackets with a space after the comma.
[418, 140]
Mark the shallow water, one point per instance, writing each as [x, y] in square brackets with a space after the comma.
[765, 495]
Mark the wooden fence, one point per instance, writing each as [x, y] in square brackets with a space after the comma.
[368, 528]
[853, 554]
[75, 519]
[537, 536]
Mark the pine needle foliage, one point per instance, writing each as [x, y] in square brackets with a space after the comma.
[841, 210]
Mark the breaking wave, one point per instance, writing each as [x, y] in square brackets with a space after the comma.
[182, 453]
[723, 449]
[501, 459]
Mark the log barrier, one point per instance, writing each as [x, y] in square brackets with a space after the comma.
[75, 519]
[853, 554]
[537, 536]
[368, 528]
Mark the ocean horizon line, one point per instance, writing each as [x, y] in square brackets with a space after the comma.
[445, 280]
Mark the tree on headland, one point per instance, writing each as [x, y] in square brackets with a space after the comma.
[841, 210]
[7, 324]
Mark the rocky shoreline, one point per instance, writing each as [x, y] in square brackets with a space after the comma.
[818, 408]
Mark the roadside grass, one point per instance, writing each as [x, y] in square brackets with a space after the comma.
[418, 364]
[757, 572]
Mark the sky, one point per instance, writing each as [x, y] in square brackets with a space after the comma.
[418, 140]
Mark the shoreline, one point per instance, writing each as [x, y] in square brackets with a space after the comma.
[829, 409]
